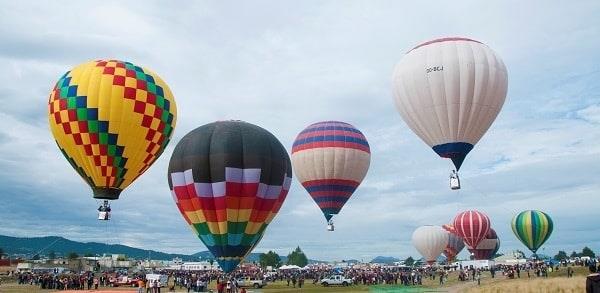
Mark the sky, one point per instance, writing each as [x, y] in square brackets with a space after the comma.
[283, 65]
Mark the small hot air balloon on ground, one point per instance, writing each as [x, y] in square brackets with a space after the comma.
[430, 241]
[449, 91]
[533, 228]
[455, 243]
[486, 247]
[472, 227]
[111, 120]
[229, 180]
[330, 159]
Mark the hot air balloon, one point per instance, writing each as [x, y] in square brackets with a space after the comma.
[472, 227]
[487, 247]
[449, 91]
[455, 243]
[330, 159]
[111, 120]
[229, 180]
[430, 241]
[533, 228]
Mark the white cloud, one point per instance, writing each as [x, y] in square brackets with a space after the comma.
[284, 65]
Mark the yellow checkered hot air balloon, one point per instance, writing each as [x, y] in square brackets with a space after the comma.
[111, 120]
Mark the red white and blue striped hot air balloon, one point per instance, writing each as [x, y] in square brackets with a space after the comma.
[330, 159]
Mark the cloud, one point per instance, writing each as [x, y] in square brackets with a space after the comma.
[285, 65]
[590, 114]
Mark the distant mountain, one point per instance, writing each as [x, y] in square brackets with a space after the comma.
[28, 247]
[61, 246]
[385, 259]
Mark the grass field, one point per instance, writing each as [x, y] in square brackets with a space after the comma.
[557, 282]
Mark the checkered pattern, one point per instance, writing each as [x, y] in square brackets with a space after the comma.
[149, 101]
[70, 111]
[117, 91]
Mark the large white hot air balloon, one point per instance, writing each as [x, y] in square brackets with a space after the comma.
[449, 91]
[430, 241]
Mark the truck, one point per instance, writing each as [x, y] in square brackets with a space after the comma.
[251, 282]
[336, 280]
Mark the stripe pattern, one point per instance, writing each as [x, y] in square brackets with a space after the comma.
[455, 243]
[487, 247]
[229, 179]
[472, 226]
[330, 159]
[533, 228]
[111, 120]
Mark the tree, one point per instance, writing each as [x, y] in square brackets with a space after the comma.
[497, 255]
[561, 255]
[72, 255]
[297, 257]
[588, 252]
[409, 261]
[36, 257]
[88, 255]
[269, 259]
[121, 258]
[574, 254]
[52, 255]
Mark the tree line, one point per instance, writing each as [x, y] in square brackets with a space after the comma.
[272, 259]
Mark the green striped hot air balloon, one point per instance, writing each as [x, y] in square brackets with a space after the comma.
[533, 228]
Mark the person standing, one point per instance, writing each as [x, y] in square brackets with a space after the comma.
[592, 282]
[478, 277]
[141, 285]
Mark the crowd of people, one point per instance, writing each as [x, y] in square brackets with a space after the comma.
[200, 281]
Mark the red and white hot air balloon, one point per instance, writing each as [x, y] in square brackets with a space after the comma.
[455, 243]
[472, 227]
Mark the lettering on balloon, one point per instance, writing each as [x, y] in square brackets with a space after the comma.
[435, 68]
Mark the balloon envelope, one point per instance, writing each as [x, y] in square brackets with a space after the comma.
[430, 241]
[533, 228]
[449, 91]
[472, 227]
[111, 120]
[330, 159]
[486, 247]
[229, 180]
[455, 243]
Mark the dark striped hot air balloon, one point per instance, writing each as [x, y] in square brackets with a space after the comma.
[331, 159]
[229, 180]
[533, 228]
[487, 248]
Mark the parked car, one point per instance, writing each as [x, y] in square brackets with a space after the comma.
[251, 282]
[336, 280]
